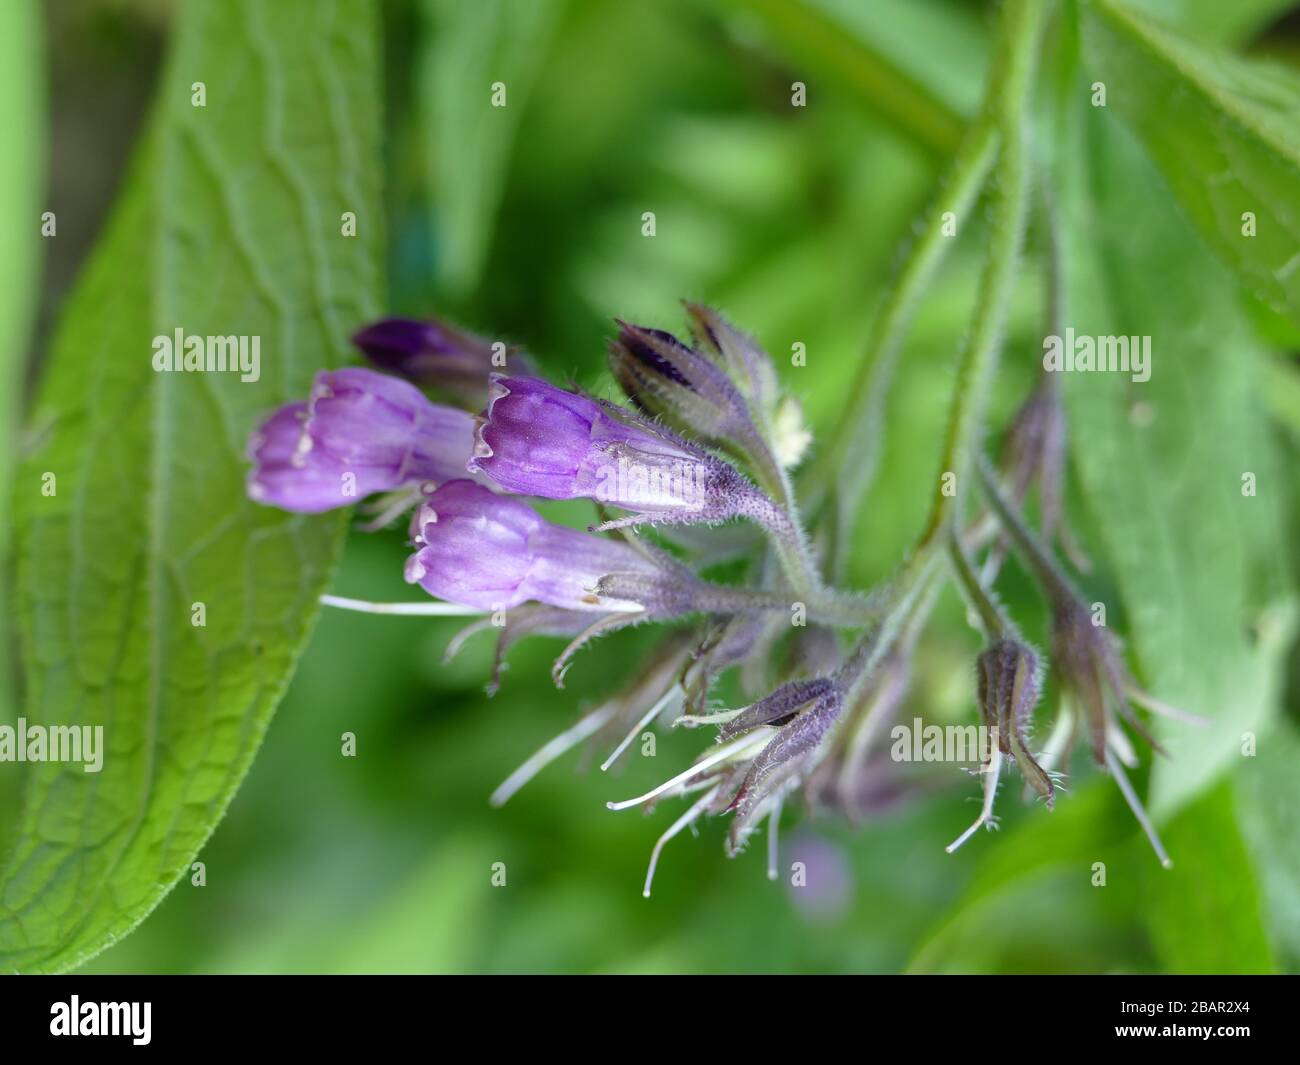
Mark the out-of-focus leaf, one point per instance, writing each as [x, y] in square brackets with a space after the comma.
[872, 51]
[470, 49]
[1205, 913]
[1270, 821]
[21, 170]
[231, 224]
[1283, 392]
[427, 921]
[1057, 849]
[1214, 20]
[1225, 133]
[1163, 464]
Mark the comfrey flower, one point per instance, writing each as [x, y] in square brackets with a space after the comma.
[437, 355]
[708, 438]
[486, 550]
[540, 440]
[359, 433]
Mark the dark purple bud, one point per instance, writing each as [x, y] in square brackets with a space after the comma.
[667, 379]
[859, 778]
[1009, 682]
[747, 364]
[435, 354]
[540, 440]
[361, 432]
[493, 552]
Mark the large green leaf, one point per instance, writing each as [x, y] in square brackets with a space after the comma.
[1270, 821]
[21, 169]
[1057, 848]
[1225, 133]
[1163, 464]
[1196, 559]
[230, 225]
[1205, 914]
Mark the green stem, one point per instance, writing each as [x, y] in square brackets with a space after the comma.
[850, 460]
[790, 545]
[908, 595]
[1022, 22]
[1036, 555]
[828, 606]
[995, 623]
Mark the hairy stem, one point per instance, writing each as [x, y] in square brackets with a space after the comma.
[1022, 22]
[825, 606]
[994, 622]
[789, 543]
[1035, 554]
[852, 457]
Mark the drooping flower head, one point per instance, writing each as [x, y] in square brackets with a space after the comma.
[817, 731]
[359, 433]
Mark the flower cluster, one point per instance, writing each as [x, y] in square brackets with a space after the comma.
[708, 438]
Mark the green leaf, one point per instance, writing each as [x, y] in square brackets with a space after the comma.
[1283, 391]
[1224, 133]
[1213, 19]
[1270, 822]
[469, 49]
[1163, 464]
[1049, 854]
[1205, 913]
[873, 53]
[230, 225]
[21, 189]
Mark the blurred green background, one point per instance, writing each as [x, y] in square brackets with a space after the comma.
[790, 220]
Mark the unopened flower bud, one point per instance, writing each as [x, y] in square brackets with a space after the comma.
[1008, 693]
[666, 378]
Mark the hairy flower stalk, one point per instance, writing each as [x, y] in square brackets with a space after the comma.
[1033, 451]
